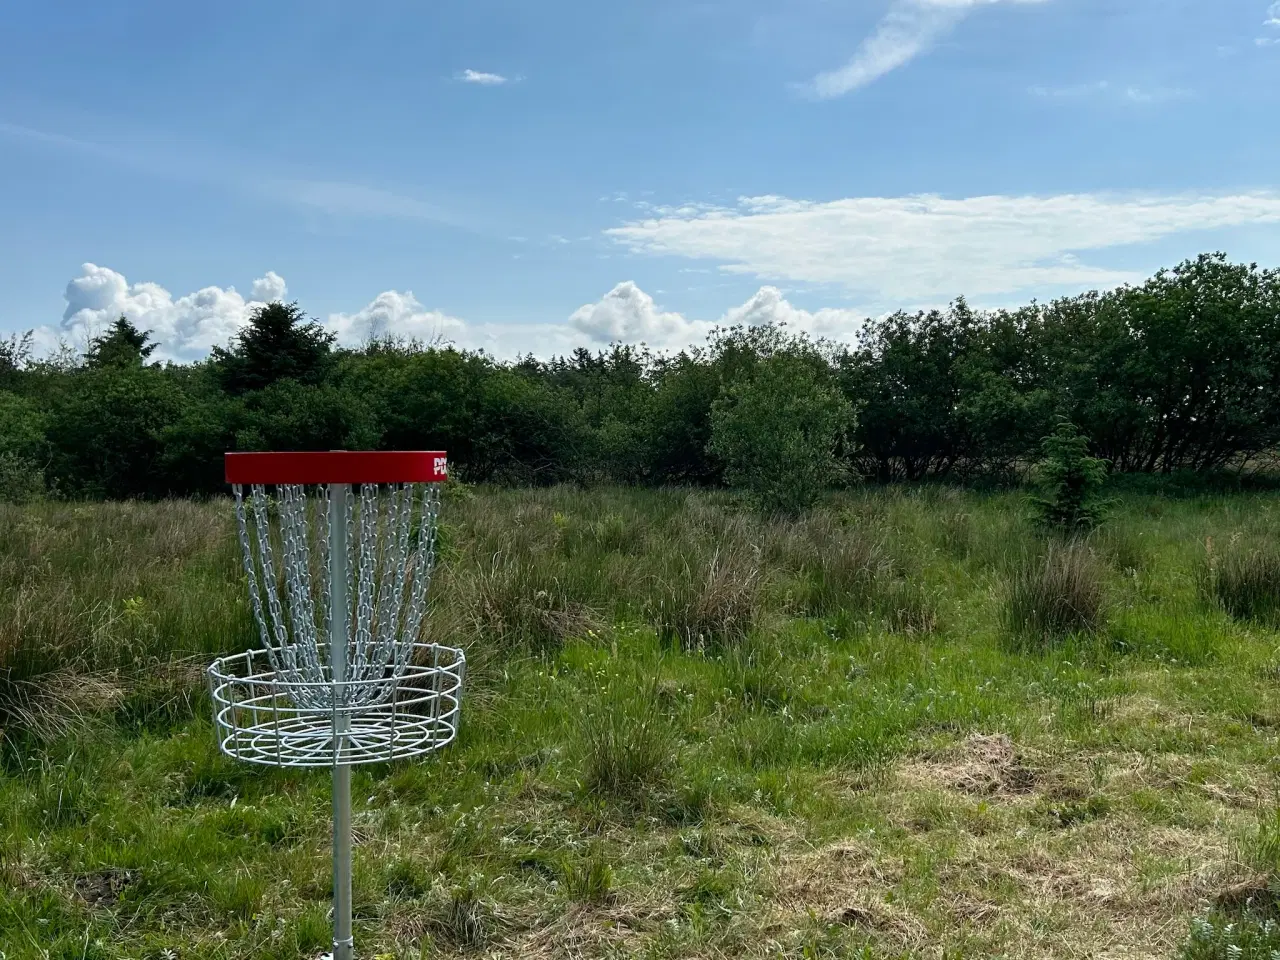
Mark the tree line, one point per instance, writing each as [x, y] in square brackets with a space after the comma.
[1181, 372]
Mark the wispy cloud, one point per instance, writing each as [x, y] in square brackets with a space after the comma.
[243, 176]
[909, 28]
[902, 251]
[1272, 21]
[481, 78]
[352, 199]
[1112, 91]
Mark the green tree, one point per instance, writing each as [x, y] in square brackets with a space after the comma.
[279, 343]
[778, 432]
[685, 388]
[23, 448]
[124, 345]
[1072, 482]
[907, 377]
[15, 356]
[106, 432]
[1182, 372]
[289, 415]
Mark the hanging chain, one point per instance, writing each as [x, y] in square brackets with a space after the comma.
[391, 545]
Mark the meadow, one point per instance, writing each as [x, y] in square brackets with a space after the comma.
[904, 724]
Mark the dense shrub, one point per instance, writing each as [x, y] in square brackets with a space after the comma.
[778, 433]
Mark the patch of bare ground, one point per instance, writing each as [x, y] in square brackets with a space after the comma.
[103, 887]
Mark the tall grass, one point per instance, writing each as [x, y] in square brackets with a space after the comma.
[1243, 577]
[96, 596]
[627, 741]
[589, 807]
[710, 600]
[1058, 594]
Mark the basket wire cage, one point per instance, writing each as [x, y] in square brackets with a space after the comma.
[338, 552]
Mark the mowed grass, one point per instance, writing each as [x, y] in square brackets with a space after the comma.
[905, 725]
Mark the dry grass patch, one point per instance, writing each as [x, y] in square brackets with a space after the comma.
[984, 765]
[848, 883]
[1027, 885]
[587, 930]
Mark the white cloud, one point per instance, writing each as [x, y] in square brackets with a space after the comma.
[482, 78]
[187, 327]
[908, 29]
[1273, 21]
[625, 314]
[268, 288]
[1107, 89]
[401, 315]
[184, 328]
[909, 250]
[629, 314]
[395, 314]
[769, 305]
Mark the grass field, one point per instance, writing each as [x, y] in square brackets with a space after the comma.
[904, 725]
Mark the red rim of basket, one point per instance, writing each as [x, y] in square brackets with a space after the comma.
[338, 466]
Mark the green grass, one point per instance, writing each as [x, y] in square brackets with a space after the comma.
[880, 730]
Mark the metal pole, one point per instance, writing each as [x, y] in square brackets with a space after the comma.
[339, 625]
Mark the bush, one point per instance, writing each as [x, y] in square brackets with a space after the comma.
[778, 431]
[1057, 595]
[21, 480]
[1072, 482]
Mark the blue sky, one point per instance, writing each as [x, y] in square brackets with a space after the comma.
[522, 176]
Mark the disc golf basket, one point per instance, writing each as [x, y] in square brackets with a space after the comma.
[338, 548]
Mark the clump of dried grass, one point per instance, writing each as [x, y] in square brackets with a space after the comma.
[56, 704]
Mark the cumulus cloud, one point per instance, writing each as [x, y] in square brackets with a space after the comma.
[269, 288]
[905, 250]
[769, 306]
[395, 314]
[481, 78]
[909, 28]
[625, 314]
[629, 314]
[401, 315]
[185, 327]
